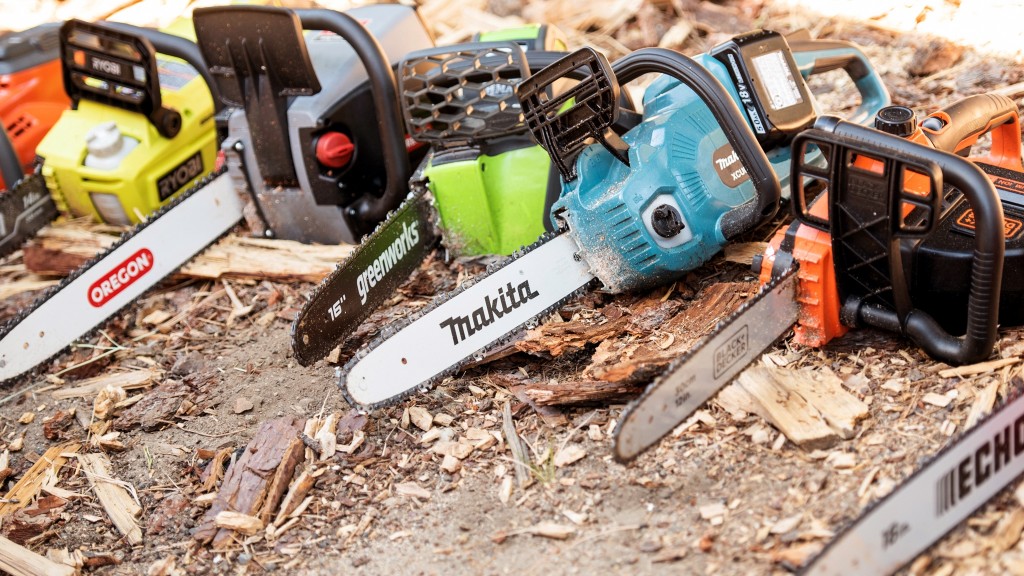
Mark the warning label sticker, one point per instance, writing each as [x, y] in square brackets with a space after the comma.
[173, 74]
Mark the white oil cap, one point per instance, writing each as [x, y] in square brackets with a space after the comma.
[104, 140]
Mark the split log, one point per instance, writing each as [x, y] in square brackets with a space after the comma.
[824, 391]
[255, 483]
[20, 561]
[60, 249]
[26, 489]
[113, 496]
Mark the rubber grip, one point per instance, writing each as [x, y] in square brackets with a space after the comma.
[768, 192]
[968, 119]
[176, 46]
[989, 249]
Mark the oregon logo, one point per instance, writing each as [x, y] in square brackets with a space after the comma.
[122, 276]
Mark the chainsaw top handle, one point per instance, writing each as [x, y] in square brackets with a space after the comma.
[178, 47]
[371, 208]
[958, 127]
[121, 59]
[819, 56]
[880, 196]
[595, 110]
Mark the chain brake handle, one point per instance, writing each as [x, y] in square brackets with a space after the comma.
[121, 59]
[815, 57]
[596, 108]
[872, 293]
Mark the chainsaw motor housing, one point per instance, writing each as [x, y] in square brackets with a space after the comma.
[141, 125]
[307, 172]
[32, 97]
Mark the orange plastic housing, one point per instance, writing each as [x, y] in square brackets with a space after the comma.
[31, 102]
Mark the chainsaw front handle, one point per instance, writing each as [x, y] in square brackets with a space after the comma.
[177, 47]
[846, 140]
[371, 208]
[765, 202]
[819, 56]
[958, 127]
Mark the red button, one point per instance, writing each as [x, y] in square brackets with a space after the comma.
[334, 150]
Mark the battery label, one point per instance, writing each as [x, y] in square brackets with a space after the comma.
[173, 74]
[777, 79]
[967, 223]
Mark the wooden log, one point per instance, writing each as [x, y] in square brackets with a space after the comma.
[27, 488]
[255, 483]
[60, 249]
[20, 561]
[113, 496]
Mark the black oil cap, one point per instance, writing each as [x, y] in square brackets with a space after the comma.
[896, 120]
[667, 221]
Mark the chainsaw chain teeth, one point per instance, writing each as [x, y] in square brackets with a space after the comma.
[722, 325]
[471, 358]
[1013, 394]
[50, 292]
[11, 197]
[418, 191]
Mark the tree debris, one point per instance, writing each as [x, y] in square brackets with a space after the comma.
[119, 505]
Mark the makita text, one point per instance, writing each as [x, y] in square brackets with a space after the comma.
[508, 299]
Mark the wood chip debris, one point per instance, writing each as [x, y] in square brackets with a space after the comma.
[120, 505]
[28, 486]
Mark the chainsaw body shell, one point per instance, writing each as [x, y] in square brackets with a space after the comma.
[32, 97]
[490, 197]
[312, 210]
[155, 170]
[678, 155]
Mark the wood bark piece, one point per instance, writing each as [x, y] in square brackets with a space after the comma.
[824, 391]
[119, 505]
[26, 489]
[20, 561]
[62, 248]
[171, 398]
[255, 483]
[786, 410]
[125, 380]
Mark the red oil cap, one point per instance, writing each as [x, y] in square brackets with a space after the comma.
[334, 150]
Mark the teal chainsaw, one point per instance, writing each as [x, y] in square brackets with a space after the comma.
[487, 184]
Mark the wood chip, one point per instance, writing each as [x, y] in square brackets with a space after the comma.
[420, 418]
[113, 496]
[242, 405]
[20, 561]
[787, 524]
[238, 522]
[551, 530]
[327, 436]
[412, 489]
[125, 380]
[786, 410]
[569, 454]
[934, 399]
[451, 464]
[26, 489]
[980, 368]
[27, 418]
[106, 399]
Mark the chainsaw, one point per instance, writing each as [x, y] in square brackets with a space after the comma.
[869, 267]
[483, 223]
[890, 212]
[319, 172]
[118, 154]
[31, 98]
[196, 218]
[485, 184]
[31, 101]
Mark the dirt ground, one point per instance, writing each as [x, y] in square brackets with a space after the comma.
[725, 494]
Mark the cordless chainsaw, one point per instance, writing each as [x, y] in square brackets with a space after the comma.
[480, 222]
[303, 134]
[891, 211]
[31, 96]
[196, 218]
[31, 101]
[876, 265]
[485, 184]
[119, 153]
